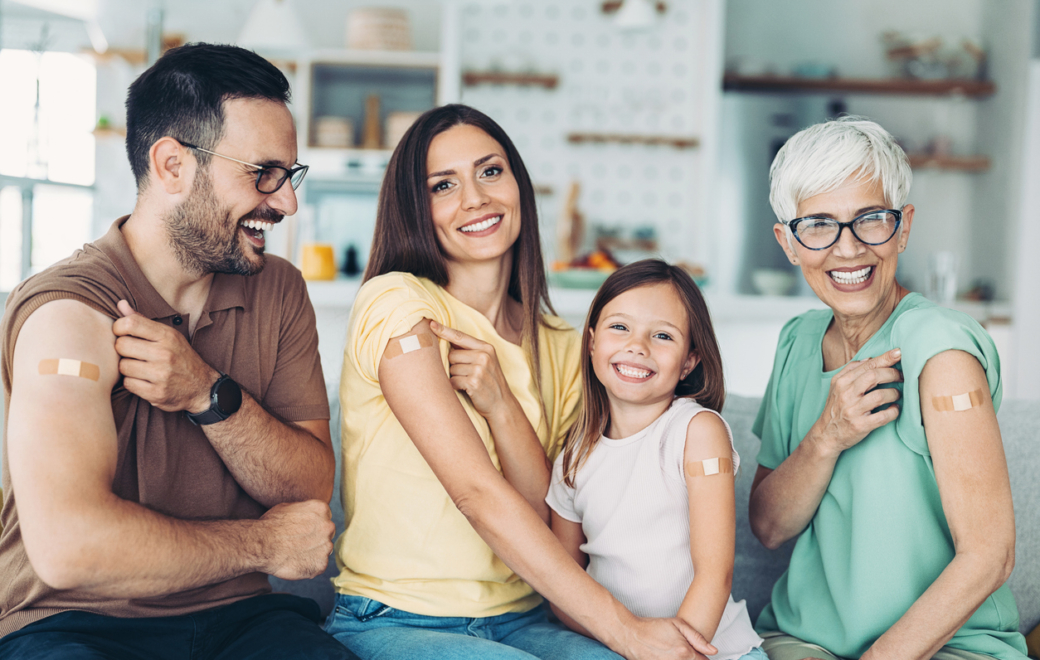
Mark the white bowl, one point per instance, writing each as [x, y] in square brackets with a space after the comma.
[772, 281]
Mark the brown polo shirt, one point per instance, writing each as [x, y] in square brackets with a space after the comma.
[258, 329]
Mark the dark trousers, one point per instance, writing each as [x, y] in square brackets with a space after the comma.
[271, 626]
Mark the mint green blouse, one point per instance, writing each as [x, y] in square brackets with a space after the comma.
[879, 538]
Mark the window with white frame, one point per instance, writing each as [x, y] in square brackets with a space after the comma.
[46, 159]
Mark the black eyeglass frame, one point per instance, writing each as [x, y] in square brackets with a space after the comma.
[793, 226]
[289, 173]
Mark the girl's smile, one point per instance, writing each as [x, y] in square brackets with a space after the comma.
[640, 348]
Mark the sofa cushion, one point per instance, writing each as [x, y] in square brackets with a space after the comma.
[755, 568]
[1020, 429]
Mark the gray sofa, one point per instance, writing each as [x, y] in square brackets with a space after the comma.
[756, 568]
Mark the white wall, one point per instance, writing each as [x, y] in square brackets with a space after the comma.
[659, 81]
[123, 21]
[1023, 373]
[846, 33]
[970, 214]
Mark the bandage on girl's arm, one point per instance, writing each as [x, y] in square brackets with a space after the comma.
[708, 469]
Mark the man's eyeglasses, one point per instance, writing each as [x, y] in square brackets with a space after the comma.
[269, 178]
[871, 228]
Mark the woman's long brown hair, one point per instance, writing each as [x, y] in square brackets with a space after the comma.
[405, 241]
[705, 384]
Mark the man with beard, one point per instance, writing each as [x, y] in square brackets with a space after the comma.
[159, 467]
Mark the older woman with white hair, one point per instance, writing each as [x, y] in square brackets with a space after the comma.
[880, 448]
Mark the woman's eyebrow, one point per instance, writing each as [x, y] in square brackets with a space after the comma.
[477, 163]
[627, 317]
[868, 209]
[865, 209]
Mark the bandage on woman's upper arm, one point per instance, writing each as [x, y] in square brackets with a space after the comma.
[413, 341]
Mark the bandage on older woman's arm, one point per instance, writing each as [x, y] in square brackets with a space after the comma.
[959, 402]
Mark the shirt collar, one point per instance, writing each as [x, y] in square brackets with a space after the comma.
[226, 291]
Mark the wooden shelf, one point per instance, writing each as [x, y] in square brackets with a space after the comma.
[546, 80]
[948, 87]
[677, 141]
[110, 131]
[954, 163]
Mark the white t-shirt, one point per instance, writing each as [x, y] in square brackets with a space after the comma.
[631, 500]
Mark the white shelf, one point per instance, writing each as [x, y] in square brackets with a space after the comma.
[408, 58]
[574, 303]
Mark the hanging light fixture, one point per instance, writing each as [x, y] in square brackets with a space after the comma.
[273, 27]
[634, 14]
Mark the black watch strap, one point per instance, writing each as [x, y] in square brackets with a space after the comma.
[225, 398]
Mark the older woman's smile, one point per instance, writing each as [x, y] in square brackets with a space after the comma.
[852, 277]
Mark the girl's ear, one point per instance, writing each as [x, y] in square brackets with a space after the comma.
[690, 364]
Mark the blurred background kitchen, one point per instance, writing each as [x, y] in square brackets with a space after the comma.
[647, 126]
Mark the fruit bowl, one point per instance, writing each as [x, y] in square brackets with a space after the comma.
[579, 278]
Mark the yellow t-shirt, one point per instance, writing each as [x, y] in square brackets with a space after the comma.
[406, 545]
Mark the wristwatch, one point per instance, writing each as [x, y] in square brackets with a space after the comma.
[225, 398]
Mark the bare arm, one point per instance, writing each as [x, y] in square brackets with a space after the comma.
[273, 461]
[712, 526]
[784, 501]
[62, 450]
[971, 472]
[443, 434]
[475, 370]
[571, 537]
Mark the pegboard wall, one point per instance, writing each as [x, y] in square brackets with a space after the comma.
[646, 83]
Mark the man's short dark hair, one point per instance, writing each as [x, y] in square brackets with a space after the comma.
[182, 96]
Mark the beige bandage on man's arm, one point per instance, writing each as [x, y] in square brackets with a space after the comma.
[69, 367]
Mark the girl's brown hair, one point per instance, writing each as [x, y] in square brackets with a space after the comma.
[705, 384]
[405, 241]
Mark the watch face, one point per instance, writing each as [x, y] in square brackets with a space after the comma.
[229, 397]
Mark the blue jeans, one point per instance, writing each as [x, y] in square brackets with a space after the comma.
[271, 626]
[374, 631]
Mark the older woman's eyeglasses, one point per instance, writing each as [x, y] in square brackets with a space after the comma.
[269, 178]
[871, 228]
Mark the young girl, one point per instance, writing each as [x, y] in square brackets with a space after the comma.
[643, 494]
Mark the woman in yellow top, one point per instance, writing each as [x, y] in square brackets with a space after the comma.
[444, 491]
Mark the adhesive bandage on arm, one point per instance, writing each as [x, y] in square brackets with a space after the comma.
[958, 402]
[709, 467]
[67, 367]
[399, 346]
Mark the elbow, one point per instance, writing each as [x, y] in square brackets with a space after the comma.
[59, 567]
[770, 542]
[992, 567]
[326, 487]
[999, 561]
[764, 532]
[1005, 563]
[472, 501]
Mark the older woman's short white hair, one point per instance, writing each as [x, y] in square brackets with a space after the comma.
[820, 158]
